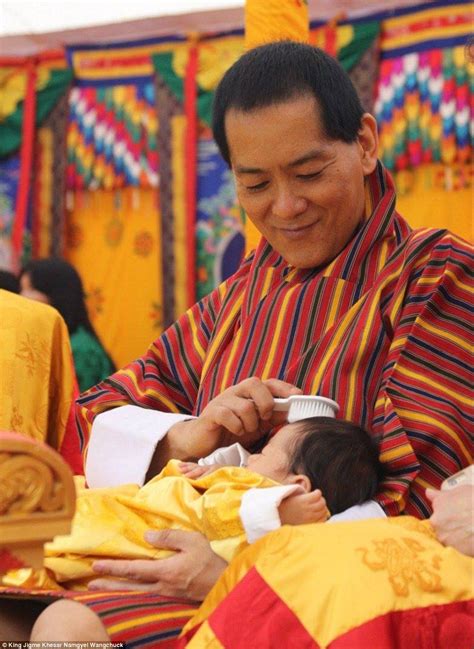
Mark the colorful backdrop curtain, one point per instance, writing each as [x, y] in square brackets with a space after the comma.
[148, 196]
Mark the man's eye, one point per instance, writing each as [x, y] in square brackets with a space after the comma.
[254, 188]
[310, 176]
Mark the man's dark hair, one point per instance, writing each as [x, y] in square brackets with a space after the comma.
[274, 73]
[340, 458]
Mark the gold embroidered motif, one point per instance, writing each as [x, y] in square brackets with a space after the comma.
[221, 523]
[33, 353]
[16, 421]
[405, 566]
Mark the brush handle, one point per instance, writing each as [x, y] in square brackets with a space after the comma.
[281, 405]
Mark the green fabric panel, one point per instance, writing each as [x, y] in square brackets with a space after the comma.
[163, 64]
[364, 35]
[204, 102]
[46, 99]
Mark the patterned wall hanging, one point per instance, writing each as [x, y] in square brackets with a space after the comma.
[30, 88]
[213, 262]
[424, 94]
[111, 140]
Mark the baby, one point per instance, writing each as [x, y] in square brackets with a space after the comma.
[319, 454]
[231, 505]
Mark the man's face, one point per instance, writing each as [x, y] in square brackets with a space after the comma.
[303, 191]
[275, 458]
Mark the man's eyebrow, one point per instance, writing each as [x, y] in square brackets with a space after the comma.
[317, 154]
[248, 170]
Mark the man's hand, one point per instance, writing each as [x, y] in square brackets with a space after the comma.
[453, 517]
[243, 412]
[303, 508]
[190, 573]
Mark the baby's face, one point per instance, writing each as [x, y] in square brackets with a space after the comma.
[274, 459]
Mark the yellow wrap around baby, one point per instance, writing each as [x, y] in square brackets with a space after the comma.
[110, 523]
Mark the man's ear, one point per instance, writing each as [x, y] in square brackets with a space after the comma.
[368, 141]
[299, 479]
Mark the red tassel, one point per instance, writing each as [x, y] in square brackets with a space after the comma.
[190, 99]
[26, 158]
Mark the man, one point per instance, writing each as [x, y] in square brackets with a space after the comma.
[340, 298]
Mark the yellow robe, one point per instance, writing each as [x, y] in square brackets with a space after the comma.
[37, 379]
[110, 523]
[375, 584]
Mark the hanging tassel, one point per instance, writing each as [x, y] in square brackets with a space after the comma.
[190, 99]
[26, 159]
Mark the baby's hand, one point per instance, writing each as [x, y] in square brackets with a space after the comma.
[303, 508]
[193, 470]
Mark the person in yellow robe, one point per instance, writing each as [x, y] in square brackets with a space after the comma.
[38, 385]
[378, 584]
[231, 505]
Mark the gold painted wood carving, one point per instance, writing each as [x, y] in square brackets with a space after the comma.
[37, 498]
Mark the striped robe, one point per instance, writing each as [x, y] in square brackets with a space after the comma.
[384, 330]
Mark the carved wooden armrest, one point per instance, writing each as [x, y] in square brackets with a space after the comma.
[37, 500]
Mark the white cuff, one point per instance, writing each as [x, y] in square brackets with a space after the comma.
[369, 509]
[122, 444]
[259, 509]
[234, 455]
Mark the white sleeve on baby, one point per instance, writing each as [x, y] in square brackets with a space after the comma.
[259, 509]
[369, 509]
[234, 455]
[123, 442]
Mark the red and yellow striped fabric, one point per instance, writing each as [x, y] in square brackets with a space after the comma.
[380, 584]
[383, 330]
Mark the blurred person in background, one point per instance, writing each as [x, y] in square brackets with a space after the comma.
[56, 282]
[9, 281]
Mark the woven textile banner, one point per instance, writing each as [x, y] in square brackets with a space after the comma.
[114, 228]
[218, 223]
[128, 62]
[424, 111]
[112, 137]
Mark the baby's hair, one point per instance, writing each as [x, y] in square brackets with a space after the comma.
[340, 458]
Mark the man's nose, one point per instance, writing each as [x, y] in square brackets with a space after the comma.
[287, 204]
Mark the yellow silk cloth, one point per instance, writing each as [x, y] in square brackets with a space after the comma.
[111, 522]
[36, 370]
[336, 577]
[275, 20]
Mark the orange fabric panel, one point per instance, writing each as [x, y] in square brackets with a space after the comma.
[114, 241]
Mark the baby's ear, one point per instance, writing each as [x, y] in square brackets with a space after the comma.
[299, 479]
